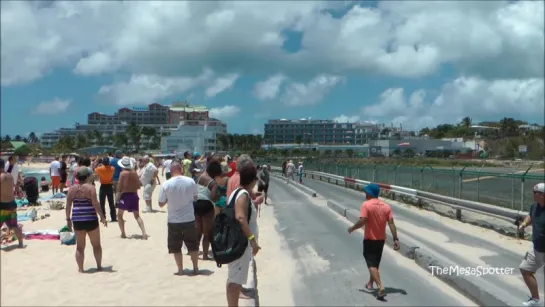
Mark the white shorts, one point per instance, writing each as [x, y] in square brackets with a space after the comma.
[148, 191]
[237, 271]
[533, 261]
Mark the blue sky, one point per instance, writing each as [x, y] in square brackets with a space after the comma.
[379, 61]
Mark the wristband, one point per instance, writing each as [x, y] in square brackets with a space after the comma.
[396, 239]
[251, 237]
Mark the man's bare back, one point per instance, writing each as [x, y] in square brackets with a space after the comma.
[6, 188]
[129, 182]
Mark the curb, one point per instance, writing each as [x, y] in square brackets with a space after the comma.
[252, 281]
[409, 248]
[300, 187]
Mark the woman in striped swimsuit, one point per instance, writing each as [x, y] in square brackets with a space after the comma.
[82, 207]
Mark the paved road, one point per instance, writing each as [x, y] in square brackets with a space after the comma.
[429, 228]
[331, 265]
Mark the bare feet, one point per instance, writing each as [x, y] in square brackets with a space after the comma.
[244, 296]
[80, 270]
[99, 268]
[123, 236]
[145, 236]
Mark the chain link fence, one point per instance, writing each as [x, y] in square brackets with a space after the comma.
[509, 188]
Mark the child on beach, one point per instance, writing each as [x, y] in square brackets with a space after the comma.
[44, 184]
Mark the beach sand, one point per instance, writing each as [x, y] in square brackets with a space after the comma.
[137, 272]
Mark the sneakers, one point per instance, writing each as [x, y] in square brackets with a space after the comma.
[147, 210]
[532, 302]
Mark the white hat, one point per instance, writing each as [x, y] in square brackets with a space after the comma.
[228, 157]
[540, 187]
[225, 168]
[126, 163]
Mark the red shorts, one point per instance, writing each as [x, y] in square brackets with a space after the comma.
[55, 181]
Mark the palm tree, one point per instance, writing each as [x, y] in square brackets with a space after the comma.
[152, 136]
[134, 132]
[81, 141]
[32, 138]
[18, 138]
[121, 140]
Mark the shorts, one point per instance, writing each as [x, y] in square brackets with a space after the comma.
[129, 202]
[179, 233]
[202, 207]
[64, 178]
[263, 188]
[148, 191]
[8, 214]
[533, 261]
[167, 176]
[55, 181]
[372, 252]
[85, 225]
[237, 271]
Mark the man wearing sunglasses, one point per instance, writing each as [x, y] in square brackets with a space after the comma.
[535, 258]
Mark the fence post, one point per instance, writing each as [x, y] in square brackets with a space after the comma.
[374, 172]
[422, 177]
[433, 177]
[461, 182]
[479, 183]
[453, 181]
[395, 173]
[358, 172]
[522, 187]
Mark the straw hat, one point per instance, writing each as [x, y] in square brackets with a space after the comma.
[125, 163]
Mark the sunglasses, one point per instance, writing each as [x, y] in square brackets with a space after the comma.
[537, 192]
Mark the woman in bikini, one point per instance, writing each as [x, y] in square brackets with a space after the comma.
[221, 182]
[82, 207]
[204, 206]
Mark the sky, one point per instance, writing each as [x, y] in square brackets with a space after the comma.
[410, 63]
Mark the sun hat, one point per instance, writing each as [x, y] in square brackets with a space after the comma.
[372, 190]
[540, 187]
[225, 167]
[125, 163]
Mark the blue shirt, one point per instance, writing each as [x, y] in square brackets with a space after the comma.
[537, 213]
[118, 168]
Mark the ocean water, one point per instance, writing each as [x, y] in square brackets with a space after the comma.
[39, 173]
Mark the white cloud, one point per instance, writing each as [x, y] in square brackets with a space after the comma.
[299, 94]
[269, 89]
[464, 96]
[221, 84]
[55, 106]
[489, 39]
[224, 112]
[346, 119]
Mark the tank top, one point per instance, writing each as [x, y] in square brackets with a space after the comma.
[203, 192]
[253, 217]
[82, 209]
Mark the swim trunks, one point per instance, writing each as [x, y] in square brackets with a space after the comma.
[129, 202]
[8, 214]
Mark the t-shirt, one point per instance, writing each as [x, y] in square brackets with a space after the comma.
[55, 168]
[300, 170]
[290, 168]
[233, 166]
[537, 213]
[180, 193]
[378, 213]
[105, 174]
[263, 175]
[63, 169]
[187, 165]
[167, 164]
[147, 174]
[117, 168]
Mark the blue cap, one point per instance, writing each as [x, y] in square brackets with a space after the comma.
[372, 190]
[196, 154]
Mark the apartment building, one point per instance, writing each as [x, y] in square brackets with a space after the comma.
[305, 131]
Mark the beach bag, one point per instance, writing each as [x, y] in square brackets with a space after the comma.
[228, 241]
[66, 237]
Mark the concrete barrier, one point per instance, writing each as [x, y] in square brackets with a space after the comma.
[298, 186]
[470, 286]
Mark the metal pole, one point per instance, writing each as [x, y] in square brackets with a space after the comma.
[522, 187]
[461, 182]
[453, 181]
[479, 183]
[421, 178]
[374, 172]
[512, 190]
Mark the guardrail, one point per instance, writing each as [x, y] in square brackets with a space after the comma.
[416, 196]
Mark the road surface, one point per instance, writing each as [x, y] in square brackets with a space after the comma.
[331, 269]
[443, 240]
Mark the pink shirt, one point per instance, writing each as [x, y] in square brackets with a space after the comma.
[378, 213]
[233, 184]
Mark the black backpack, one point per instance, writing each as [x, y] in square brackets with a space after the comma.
[228, 241]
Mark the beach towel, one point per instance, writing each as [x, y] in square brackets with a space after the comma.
[21, 202]
[45, 237]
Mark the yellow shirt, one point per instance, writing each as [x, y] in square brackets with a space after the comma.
[187, 164]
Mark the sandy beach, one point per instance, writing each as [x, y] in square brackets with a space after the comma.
[137, 272]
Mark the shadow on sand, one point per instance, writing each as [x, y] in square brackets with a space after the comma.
[202, 272]
[11, 247]
[105, 269]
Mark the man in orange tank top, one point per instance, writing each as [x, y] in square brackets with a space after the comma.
[374, 215]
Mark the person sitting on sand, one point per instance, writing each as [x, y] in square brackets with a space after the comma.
[238, 270]
[127, 196]
[180, 192]
[82, 207]
[8, 206]
[44, 184]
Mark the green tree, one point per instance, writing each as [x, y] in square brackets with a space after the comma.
[22, 151]
[134, 132]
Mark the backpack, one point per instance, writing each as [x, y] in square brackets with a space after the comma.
[228, 241]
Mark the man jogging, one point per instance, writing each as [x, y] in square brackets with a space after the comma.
[374, 215]
[535, 258]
